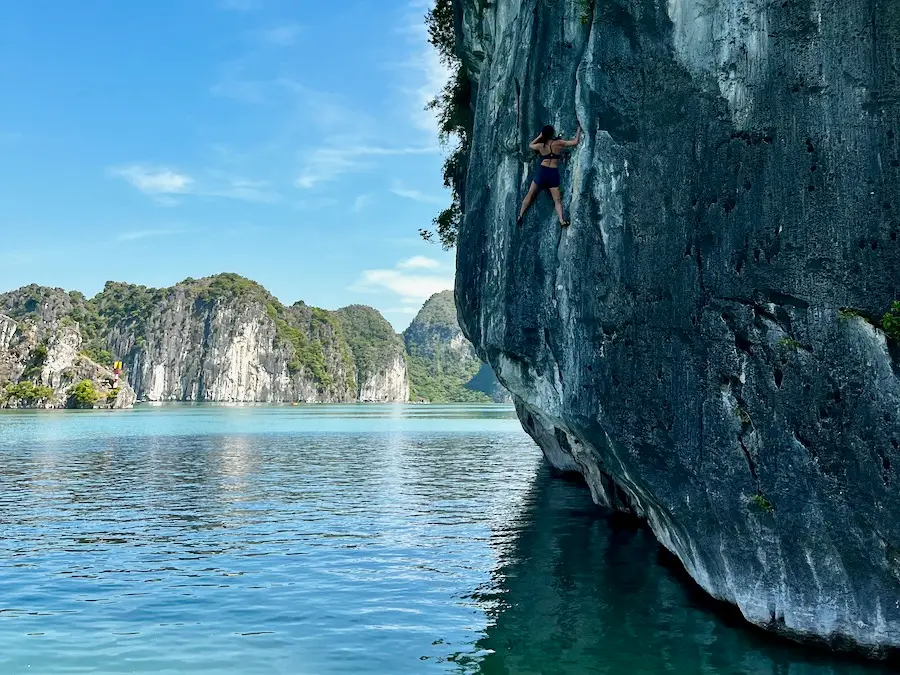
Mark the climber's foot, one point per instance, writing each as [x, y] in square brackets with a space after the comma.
[564, 223]
[520, 219]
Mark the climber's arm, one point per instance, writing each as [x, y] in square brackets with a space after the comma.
[575, 141]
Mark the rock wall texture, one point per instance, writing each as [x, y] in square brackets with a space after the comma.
[42, 349]
[389, 383]
[702, 342]
[225, 338]
[222, 338]
[227, 349]
[381, 372]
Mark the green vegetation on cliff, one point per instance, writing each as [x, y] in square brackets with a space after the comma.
[84, 394]
[372, 339]
[26, 392]
[441, 361]
[454, 112]
[301, 329]
[891, 322]
[308, 354]
[309, 342]
[125, 304]
[335, 351]
[37, 304]
[438, 382]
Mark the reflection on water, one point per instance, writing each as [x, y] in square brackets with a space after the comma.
[320, 539]
[251, 540]
[577, 592]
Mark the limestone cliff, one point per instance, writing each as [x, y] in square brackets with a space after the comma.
[379, 355]
[42, 364]
[223, 338]
[443, 365]
[703, 343]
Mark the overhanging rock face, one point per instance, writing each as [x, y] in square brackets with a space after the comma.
[696, 343]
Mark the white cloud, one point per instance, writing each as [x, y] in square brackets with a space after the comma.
[328, 163]
[155, 181]
[351, 137]
[243, 189]
[412, 281]
[417, 195]
[434, 76]
[145, 234]
[410, 287]
[280, 36]
[425, 74]
[325, 165]
[419, 262]
[325, 110]
[163, 183]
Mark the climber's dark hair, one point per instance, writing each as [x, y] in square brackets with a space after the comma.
[548, 133]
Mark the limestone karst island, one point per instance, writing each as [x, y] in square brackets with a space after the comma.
[430, 336]
[226, 339]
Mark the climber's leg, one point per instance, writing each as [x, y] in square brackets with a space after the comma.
[527, 202]
[557, 200]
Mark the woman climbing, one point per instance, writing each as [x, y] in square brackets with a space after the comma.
[547, 174]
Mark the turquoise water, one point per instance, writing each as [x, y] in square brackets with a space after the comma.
[333, 539]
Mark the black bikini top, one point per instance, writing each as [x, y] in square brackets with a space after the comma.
[551, 155]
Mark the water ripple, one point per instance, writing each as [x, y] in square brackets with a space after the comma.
[213, 540]
[347, 539]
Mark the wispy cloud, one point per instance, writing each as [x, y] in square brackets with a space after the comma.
[280, 36]
[350, 133]
[232, 187]
[154, 180]
[412, 287]
[327, 111]
[328, 163]
[412, 284]
[416, 195]
[419, 262]
[165, 183]
[135, 235]
[166, 200]
[433, 76]
[424, 76]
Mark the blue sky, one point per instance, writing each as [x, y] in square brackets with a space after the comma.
[284, 140]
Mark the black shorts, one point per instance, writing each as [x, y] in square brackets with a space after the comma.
[547, 177]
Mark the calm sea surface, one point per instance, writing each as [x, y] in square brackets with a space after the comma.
[333, 539]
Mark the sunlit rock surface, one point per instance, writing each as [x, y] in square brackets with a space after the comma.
[42, 348]
[686, 343]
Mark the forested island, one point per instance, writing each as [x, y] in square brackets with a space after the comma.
[225, 338]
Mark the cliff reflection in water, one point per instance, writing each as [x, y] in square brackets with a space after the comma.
[580, 592]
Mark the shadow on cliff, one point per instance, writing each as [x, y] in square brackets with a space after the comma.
[579, 590]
